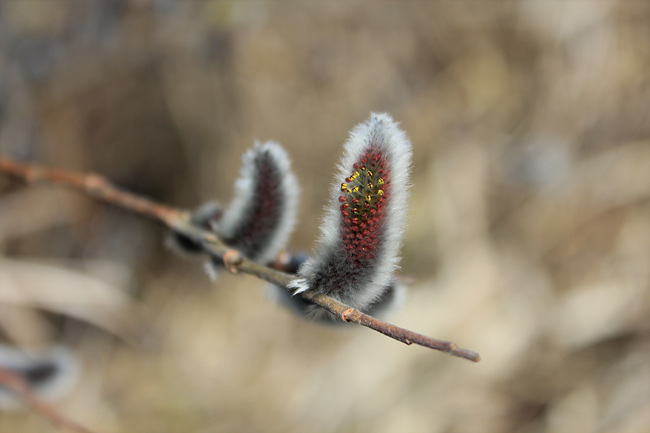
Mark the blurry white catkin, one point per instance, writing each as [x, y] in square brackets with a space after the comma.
[51, 373]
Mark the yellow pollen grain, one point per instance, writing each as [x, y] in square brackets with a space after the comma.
[380, 192]
[369, 173]
[344, 187]
[355, 189]
[370, 185]
[380, 181]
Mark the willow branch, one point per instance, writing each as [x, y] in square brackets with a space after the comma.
[178, 220]
[19, 386]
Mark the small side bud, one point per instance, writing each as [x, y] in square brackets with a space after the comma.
[357, 252]
[50, 373]
[260, 218]
[392, 297]
[206, 217]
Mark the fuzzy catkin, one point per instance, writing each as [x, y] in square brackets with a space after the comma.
[358, 248]
[262, 215]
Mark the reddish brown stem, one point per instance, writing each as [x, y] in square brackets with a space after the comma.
[178, 221]
[21, 388]
[93, 185]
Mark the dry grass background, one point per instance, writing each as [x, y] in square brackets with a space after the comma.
[529, 231]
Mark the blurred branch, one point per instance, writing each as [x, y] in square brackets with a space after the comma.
[21, 388]
[179, 221]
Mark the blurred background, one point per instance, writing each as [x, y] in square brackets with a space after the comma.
[529, 231]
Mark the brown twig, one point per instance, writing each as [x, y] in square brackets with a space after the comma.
[179, 221]
[21, 388]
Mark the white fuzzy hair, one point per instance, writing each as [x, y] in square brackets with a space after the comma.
[381, 130]
[245, 194]
[66, 374]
